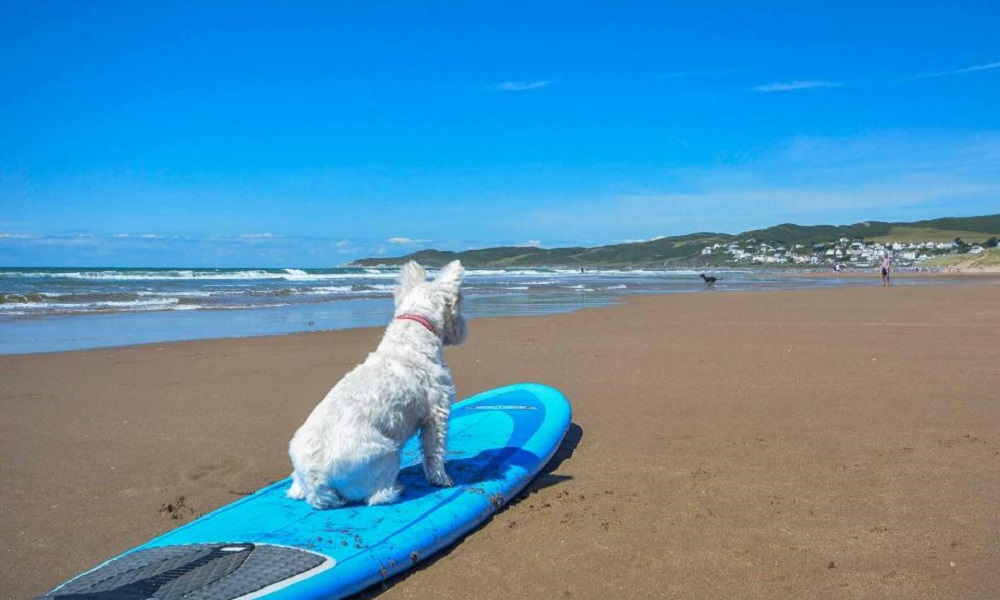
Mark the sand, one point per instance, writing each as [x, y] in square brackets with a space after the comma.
[838, 443]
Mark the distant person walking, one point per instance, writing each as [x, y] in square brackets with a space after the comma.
[886, 265]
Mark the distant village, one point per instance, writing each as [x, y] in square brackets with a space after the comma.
[844, 252]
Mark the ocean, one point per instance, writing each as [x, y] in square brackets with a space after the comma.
[58, 309]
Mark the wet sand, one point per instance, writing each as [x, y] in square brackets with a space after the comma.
[831, 443]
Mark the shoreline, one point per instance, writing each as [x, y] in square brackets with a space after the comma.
[44, 334]
[729, 444]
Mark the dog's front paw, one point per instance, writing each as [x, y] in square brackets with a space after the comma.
[442, 481]
[439, 478]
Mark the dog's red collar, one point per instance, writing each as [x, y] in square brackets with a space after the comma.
[422, 320]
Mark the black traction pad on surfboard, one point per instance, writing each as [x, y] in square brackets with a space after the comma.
[191, 572]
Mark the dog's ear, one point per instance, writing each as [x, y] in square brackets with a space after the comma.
[410, 276]
[451, 276]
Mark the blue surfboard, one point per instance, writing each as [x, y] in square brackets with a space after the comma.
[267, 546]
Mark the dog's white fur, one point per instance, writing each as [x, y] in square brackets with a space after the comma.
[348, 450]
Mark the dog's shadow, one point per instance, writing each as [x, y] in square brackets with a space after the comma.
[492, 465]
[481, 469]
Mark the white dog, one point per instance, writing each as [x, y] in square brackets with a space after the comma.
[348, 449]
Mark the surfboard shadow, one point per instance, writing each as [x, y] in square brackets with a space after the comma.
[546, 477]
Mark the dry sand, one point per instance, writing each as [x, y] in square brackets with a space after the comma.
[837, 444]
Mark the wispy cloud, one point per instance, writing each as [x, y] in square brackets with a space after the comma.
[792, 86]
[64, 240]
[984, 67]
[259, 250]
[520, 86]
[239, 238]
[406, 240]
[640, 241]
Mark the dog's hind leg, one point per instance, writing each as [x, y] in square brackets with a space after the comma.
[433, 437]
[386, 495]
[381, 477]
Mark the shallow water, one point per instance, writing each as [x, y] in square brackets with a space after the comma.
[46, 310]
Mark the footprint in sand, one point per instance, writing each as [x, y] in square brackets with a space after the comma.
[228, 466]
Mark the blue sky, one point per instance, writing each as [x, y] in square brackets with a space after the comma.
[311, 133]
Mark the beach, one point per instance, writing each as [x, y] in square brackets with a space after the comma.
[838, 442]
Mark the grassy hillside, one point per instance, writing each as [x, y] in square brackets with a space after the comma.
[789, 233]
[989, 224]
[685, 250]
[656, 252]
[906, 234]
[989, 258]
[970, 229]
